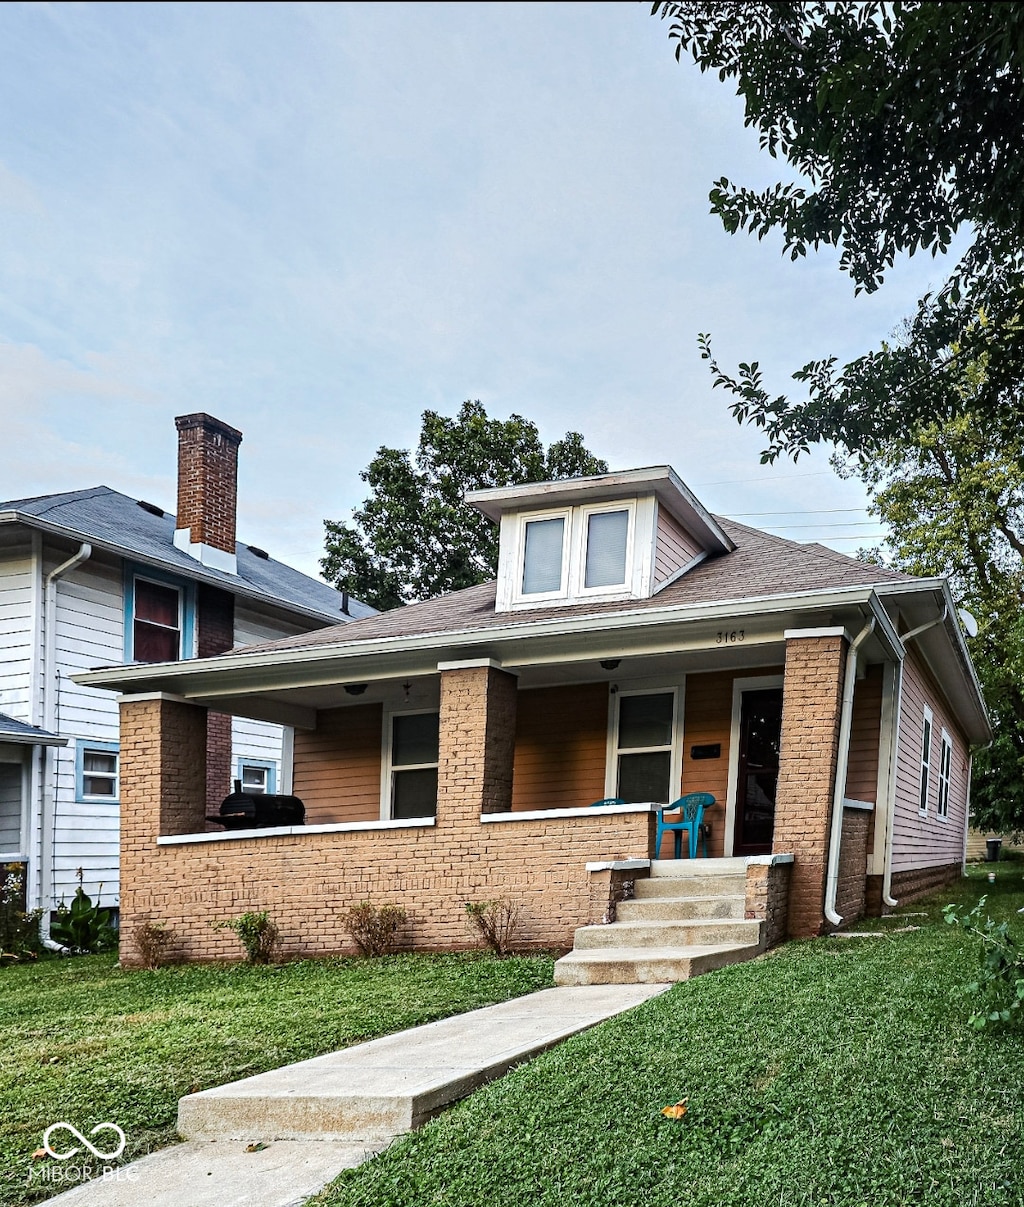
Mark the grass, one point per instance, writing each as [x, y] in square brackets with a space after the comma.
[836, 1072]
[87, 1042]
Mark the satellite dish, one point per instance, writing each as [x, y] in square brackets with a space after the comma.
[968, 621]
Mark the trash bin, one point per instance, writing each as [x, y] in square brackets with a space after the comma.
[992, 846]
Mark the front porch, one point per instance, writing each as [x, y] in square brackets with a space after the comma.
[498, 802]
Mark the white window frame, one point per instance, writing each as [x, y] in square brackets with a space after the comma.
[945, 774]
[387, 767]
[533, 517]
[924, 783]
[645, 688]
[579, 548]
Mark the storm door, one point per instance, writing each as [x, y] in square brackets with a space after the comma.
[758, 771]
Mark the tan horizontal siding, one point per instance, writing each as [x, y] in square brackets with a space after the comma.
[337, 765]
[561, 745]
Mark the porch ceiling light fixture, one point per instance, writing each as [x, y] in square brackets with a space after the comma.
[355, 689]
[610, 664]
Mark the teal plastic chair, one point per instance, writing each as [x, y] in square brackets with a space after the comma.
[691, 810]
[608, 800]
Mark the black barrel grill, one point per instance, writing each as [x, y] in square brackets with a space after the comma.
[258, 810]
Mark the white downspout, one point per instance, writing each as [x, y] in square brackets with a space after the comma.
[48, 803]
[887, 897]
[842, 764]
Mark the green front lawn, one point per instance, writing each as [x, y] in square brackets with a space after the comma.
[85, 1042]
[836, 1071]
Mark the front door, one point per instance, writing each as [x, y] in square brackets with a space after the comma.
[758, 771]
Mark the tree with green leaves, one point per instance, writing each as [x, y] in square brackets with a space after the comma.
[903, 123]
[952, 495]
[415, 538]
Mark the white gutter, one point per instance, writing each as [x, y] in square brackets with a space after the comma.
[588, 624]
[49, 803]
[842, 764]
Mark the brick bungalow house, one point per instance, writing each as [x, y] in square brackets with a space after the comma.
[633, 646]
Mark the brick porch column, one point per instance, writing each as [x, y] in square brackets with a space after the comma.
[812, 700]
[477, 741]
[163, 791]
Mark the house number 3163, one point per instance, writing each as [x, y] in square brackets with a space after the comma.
[729, 636]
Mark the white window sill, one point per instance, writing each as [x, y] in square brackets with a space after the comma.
[341, 827]
[866, 805]
[589, 811]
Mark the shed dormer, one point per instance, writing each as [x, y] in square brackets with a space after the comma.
[614, 536]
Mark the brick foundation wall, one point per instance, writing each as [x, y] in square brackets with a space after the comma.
[767, 899]
[610, 886]
[812, 700]
[918, 882]
[307, 880]
[851, 891]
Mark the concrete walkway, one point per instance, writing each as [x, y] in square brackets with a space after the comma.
[309, 1121]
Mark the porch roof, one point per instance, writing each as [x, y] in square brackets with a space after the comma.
[23, 734]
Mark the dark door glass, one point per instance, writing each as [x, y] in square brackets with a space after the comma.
[758, 775]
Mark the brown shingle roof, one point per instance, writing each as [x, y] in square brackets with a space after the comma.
[761, 564]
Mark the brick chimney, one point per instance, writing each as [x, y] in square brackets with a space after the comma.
[207, 490]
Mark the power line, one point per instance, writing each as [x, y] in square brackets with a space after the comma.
[766, 481]
[799, 511]
[848, 524]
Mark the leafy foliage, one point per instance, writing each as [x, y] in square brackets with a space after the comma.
[374, 928]
[257, 934]
[83, 927]
[952, 496]
[153, 940]
[414, 538]
[904, 122]
[1000, 985]
[19, 928]
[495, 921]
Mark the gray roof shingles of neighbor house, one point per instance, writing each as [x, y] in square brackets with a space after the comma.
[761, 565]
[125, 526]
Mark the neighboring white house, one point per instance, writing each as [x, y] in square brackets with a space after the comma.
[92, 577]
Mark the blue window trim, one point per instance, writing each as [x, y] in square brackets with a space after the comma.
[81, 746]
[133, 570]
[269, 764]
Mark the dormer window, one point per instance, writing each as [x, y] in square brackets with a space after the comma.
[616, 536]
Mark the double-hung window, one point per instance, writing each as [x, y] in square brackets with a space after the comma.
[606, 548]
[926, 759]
[644, 746]
[412, 764]
[545, 564]
[159, 615]
[945, 766]
[97, 771]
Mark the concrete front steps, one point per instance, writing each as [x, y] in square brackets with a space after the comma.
[685, 919]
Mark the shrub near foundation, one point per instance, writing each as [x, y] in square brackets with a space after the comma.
[495, 921]
[374, 928]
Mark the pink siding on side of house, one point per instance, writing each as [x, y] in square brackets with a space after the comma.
[675, 547]
[921, 841]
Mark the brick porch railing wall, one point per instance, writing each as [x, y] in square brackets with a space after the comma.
[305, 881]
[812, 699]
[851, 891]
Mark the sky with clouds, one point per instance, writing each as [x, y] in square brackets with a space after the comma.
[315, 221]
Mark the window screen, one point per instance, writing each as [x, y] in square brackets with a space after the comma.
[606, 549]
[157, 622]
[542, 560]
[645, 747]
[645, 720]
